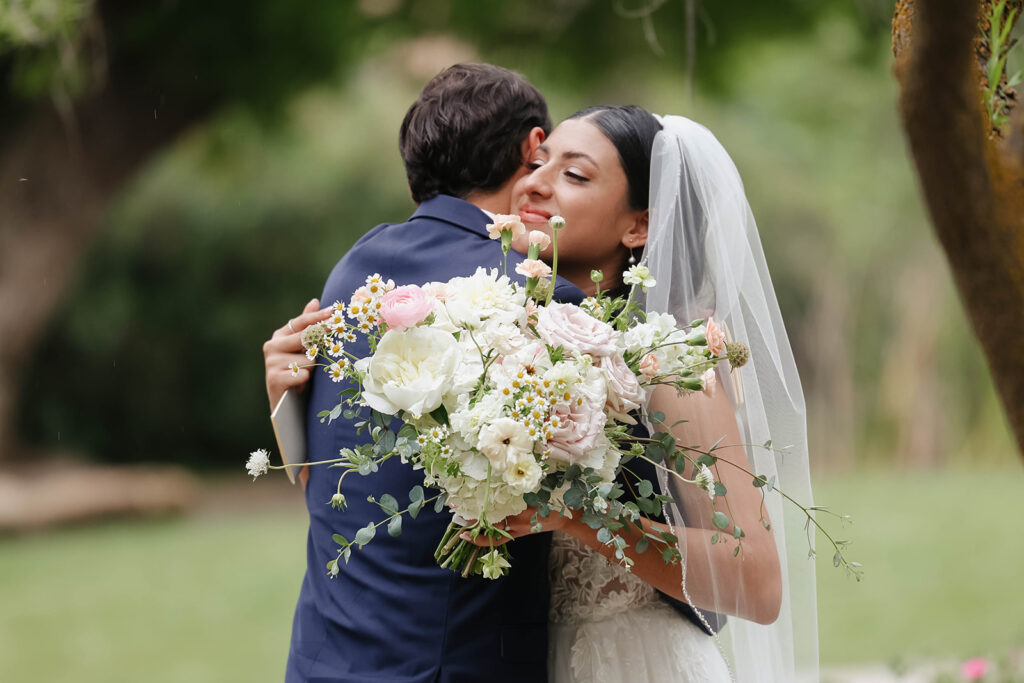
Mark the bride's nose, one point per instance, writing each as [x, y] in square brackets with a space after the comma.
[538, 183]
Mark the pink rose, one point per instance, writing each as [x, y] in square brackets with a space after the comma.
[533, 268]
[974, 669]
[624, 392]
[506, 222]
[405, 307]
[716, 338]
[710, 379]
[578, 431]
[649, 365]
[540, 238]
[571, 327]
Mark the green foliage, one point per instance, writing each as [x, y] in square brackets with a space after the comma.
[1001, 44]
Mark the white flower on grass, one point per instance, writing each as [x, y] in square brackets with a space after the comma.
[258, 462]
[494, 565]
[504, 442]
[639, 275]
[705, 480]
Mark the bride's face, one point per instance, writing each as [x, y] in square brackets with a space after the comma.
[577, 174]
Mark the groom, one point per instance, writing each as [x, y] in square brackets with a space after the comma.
[392, 615]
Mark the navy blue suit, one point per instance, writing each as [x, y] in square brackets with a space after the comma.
[392, 615]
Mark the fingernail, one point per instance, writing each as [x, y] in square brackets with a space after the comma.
[314, 300]
[464, 536]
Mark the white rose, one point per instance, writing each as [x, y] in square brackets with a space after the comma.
[576, 330]
[504, 442]
[524, 474]
[410, 371]
[624, 392]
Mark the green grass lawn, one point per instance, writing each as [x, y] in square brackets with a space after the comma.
[944, 560]
[211, 598]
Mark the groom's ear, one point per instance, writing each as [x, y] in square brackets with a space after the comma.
[533, 140]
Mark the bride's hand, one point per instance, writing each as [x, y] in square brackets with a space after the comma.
[285, 348]
[521, 525]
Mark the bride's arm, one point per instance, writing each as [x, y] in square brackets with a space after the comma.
[748, 586]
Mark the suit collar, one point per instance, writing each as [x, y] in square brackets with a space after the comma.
[456, 211]
[460, 213]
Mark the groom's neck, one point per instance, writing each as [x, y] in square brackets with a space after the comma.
[498, 201]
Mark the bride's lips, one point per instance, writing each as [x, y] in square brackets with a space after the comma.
[533, 214]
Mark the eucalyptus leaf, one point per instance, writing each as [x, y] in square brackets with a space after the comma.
[645, 488]
[395, 526]
[720, 520]
[340, 540]
[573, 498]
[603, 535]
[388, 503]
[386, 442]
[365, 535]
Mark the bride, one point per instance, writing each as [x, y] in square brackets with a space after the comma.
[633, 187]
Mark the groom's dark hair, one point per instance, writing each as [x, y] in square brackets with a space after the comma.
[464, 133]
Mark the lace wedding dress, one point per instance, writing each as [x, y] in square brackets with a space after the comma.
[609, 626]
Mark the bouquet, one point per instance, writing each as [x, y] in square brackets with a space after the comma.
[506, 400]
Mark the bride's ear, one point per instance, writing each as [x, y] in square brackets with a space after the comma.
[534, 139]
[636, 236]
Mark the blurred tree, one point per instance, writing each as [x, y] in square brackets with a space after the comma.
[971, 169]
[93, 89]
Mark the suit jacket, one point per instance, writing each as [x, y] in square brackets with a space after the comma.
[392, 615]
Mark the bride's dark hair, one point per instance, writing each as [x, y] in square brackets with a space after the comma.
[631, 129]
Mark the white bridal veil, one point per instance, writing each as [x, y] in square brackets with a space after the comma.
[704, 252]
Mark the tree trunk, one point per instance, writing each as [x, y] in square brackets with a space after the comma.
[57, 177]
[972, 177]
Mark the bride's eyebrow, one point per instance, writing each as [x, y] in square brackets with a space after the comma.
[578, 155]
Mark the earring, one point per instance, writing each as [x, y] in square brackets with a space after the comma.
[632, 258]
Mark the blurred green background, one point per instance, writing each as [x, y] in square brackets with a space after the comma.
[290, 154]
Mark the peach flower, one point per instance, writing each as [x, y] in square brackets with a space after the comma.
[533, 268]
[649, 365]
[361, 295]
[506, 222]
[541, 239]
[716, 338]
[710, 379]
